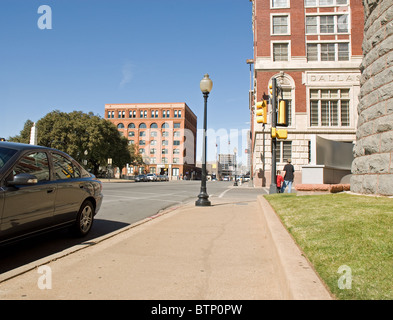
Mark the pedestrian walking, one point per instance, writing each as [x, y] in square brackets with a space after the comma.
[280, 181]
[288, 176]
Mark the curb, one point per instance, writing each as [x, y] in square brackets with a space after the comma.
[298, 279]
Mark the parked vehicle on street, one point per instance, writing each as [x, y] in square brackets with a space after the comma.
[163, 177]
[43, 189]
[140, 178]
[151, 177]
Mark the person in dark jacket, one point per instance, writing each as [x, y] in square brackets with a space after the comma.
[288, 176]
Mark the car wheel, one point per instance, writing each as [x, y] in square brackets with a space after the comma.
[84, 219]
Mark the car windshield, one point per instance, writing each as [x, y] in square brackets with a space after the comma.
[5, 155]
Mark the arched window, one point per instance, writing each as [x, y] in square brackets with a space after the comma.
[153, 126]
[165, 125]
[131, 126]
[120, 126]
[142, 126]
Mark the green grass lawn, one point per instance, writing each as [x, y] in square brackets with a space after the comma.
[336, 230]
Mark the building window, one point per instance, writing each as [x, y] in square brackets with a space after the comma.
[284, 151]
[131, 134]
[153, 133]
[131, 126]
[164, 151]
[153, 142]
[327, 24]
[120, 126]
[142, 142]
[329, 108]
[176, 134]
[176, 125]
[153, 161]
[280, 3]
[280, 25]
[176, 160]
[109, 114]
[142, 134]
[316, 3]
[176, 151]
[311, 24]
[179, 113]
[175, 114]
[176, 142]
[175, 172]
[153, 126]
[328, 51]
[165, 126]
[165, 142]
[280, 51]
[142, 126]
[153, 151]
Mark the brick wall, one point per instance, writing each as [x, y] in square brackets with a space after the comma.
[372, 167]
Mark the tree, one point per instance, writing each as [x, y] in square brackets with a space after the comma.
[84, 136]
[24, 136]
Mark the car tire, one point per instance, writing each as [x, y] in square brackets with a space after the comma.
[84, 219]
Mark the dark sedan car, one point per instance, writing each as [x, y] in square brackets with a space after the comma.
[43, 189]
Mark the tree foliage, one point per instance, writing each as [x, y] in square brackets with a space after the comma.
[84, 136]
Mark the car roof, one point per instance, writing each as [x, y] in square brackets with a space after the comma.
[20, 146]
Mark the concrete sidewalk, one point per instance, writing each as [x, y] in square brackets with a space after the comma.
[231, 250]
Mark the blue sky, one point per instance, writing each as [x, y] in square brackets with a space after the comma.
[126, 51]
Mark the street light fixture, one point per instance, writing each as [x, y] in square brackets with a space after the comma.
[206, 86]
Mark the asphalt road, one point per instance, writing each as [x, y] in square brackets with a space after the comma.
[123, 205]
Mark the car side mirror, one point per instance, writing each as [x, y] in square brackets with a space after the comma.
[23, 179]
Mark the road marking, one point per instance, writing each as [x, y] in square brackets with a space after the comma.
[223, 193]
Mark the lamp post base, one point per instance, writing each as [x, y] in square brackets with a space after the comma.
[203, 200]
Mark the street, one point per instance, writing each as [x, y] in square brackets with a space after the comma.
[123, 205]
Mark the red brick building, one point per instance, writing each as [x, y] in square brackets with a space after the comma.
[314, 50]
[165, 134]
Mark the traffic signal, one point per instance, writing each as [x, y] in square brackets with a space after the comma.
[271, 89]
[2, 139]
[282, 116]
[279, 133]
[261, 112]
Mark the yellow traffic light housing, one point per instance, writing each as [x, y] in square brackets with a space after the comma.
[279, 133]
[261, 112]
[282, 116]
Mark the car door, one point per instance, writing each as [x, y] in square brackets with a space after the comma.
[28, 208]
[70, 188]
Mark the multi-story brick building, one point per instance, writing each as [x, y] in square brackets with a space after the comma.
[165, 134]
[314, 49]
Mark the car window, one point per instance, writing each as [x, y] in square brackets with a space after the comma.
[5, 155]
[34, 163]
[64, 168]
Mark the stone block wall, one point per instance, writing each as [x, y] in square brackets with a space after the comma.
[372, 167]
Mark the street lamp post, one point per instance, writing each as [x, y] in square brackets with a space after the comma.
[206, 86]
[235, 152]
